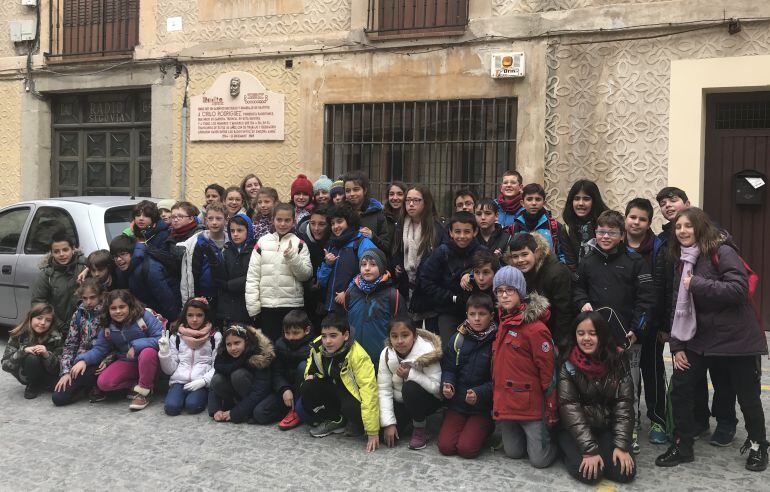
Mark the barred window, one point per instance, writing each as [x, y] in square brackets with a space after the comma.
[445, 145]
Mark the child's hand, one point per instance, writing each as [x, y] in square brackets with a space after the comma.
[390, 435]
[686, 281]
[372, 443]
[288, 252]
[448, 391]
[82, 276]
[590, 466]
[587, 307]
[130, 354]
[308, 377]
[219, 416]
[163, 343]
[63, 382]
[195, 385]
[399, 271]
[78, 369]
[631, 338]
[402, 370]
[365, 231]
[288, 398]
[29, 350]
[329, 258]
[101, 368]
[339, 298]
[465, 282]
[470, 397]
[498, 253]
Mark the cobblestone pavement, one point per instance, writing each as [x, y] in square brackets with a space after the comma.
[97, 446]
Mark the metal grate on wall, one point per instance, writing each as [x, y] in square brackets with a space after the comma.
[445, 145]
[742, 115]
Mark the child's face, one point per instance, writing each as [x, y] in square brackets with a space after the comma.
[401, 338]
[41, 324]
[142, 221]
[62, 252]
[485, 218]
[607, 238]
[462, 234]
[252, 187]
[118, 311]
[354, 194]
[582, 203]
[510, 186]
[180, 218]
[464, 203]
[685, 232]
[283, 222]
[338, 198]
[339, 225]
[671, 205]
[301, 199]
[507, 297]
[238, 234]
[212, 196]
[165, 214]
[479, 318]
[333, 339]
[322, 196]
[265, 205]
[414, 203]
[233, 202]
[122, 261]
[533, 204]
[294, 333]
[523, 259]
[215, 221]
[318, 226]
[235, 345]
[90, 299]
[585, 334]
[369, 269]
[100, 275]
[484, 275]
[637, 222]
[195, 317]
[396, 197]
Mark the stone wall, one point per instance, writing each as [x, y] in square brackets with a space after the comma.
[10, 134]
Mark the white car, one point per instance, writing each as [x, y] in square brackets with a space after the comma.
[25, 236]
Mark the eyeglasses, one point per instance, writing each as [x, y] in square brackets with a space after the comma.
[121, 255]
[414, 201]
[504, 291]
[604, 232]
[179, 217]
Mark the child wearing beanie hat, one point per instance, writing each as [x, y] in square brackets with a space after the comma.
[509, 276]
[302, 197]
[337, 192]
[321, 189]
[164, 207]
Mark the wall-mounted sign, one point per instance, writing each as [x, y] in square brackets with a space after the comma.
[237, 107]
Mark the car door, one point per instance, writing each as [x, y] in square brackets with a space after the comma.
[12, 222]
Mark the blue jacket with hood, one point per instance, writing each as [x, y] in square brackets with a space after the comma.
[230, 276]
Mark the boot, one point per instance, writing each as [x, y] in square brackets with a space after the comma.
[757, 460]
[676, 454]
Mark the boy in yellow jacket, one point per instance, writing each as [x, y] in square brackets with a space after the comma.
[340, 388]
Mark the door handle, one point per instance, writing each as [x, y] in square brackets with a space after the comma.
[7, 269]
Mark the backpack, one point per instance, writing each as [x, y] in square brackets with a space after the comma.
[753, 284]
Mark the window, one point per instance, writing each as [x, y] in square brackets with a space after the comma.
[92, 29]
[400, 18]
[116, 220]
[11, 224]
[47, 221]
[445, 145]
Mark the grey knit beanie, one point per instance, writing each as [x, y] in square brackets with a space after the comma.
[378, 256]
[511, 277]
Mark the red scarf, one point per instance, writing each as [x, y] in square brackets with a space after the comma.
[591, 367]
[509, 205]
[181, 231]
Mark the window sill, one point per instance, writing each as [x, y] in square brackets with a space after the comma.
[428, 32]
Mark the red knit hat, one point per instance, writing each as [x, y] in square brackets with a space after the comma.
[301, 184]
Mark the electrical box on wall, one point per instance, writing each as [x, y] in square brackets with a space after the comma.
[29, 3]
[508, 65]
[23, 30]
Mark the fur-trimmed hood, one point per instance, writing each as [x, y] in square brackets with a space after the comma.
[264, 348]
[536, 308]
[427, 358]
[542, 251]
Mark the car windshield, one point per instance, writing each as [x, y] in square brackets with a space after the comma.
[116, 220]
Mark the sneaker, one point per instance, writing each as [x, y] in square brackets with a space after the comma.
[757, 460]
[96, 395]
[290, 421]
[419, 439]
[139, 402]
[31, 393]
[676, 454]
[635, 449]
[723, 435]
[658, 434]
[328, 427]
[701, 431]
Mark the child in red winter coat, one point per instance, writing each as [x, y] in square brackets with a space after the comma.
[524, 396]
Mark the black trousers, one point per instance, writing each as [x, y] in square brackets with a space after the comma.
[573, 457]
[33, 373]
[271, 321]
[653, 378]
[742, 373]
[79, 386]
[418, 404]
[325, 400]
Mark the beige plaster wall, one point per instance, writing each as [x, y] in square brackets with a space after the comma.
[10, 135]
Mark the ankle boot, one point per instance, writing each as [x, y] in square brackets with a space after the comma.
[676, 454]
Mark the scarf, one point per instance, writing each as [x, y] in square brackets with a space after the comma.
[343, 239]
[476, 335]
[195, 339]
[302, 212]
[509, 205]
[684, 325]
[262, 227]
[180, 232]
[592, 367]
[368, 287]
[412, 238]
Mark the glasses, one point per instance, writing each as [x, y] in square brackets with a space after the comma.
[121, 255]
[603, 232]
[179, 217]
[414, 201]
[504, 291]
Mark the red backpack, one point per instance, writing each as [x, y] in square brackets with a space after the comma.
[753, 284]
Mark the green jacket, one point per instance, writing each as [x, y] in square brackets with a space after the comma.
[357, 374]
[56, 285]
[14, 355]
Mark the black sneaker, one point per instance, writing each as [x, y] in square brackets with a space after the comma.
[675, 455]
[757, 460]
[723, 435]
[31, 393]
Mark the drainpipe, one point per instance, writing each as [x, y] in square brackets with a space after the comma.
[183, 164]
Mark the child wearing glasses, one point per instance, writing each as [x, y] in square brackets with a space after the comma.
[618, 282]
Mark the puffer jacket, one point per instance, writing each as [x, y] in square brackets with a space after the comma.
[57, 285]
[373, 217]
[604, 403]
[524, 361]
[83, 331]
[469, 368]
[289, 354]
[356, 373]
[14, 354]
[499, 240]
[122, 338]
[197, 276]
[440, 275]
[425, 359]
[727, 323]
[276, 281]
[185, 364]
[230, 279]
[554, 232]
[337, 277]
[149, 281]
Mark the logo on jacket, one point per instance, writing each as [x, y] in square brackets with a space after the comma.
[513, 333]
[545, 347]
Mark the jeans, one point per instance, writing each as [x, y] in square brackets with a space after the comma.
[573, 457]
[125, 374]
[463, 434]
[324, 400]
[79, 385]
[178, 399]
[35, 373]
[529, 439]
[418, 404]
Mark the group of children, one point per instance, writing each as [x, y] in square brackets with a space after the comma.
[355, 317]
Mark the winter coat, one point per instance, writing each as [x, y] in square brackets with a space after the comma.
[14, 355]
[553, 231]
[57, 285]
[499, 240]
[276, 281]
[425, 359]
[369, 314]
[121, 339]
[580, 235]
[155, 235]
[468, 368]
[524, 363]
[149, 281]
[665, 272]
[620, 280]
[727, 323]
[197, 275]
[418, 300]
[184, 364]
[504, 218]
[586, 406]
[176, 248]
[358, 377]
[315, 248]
[553, 280]
[336, 278]
[373, 217]
[257, 361]
[655, 257]
[289, 355]
[441, 273]
[230, 280]
[83, 330]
